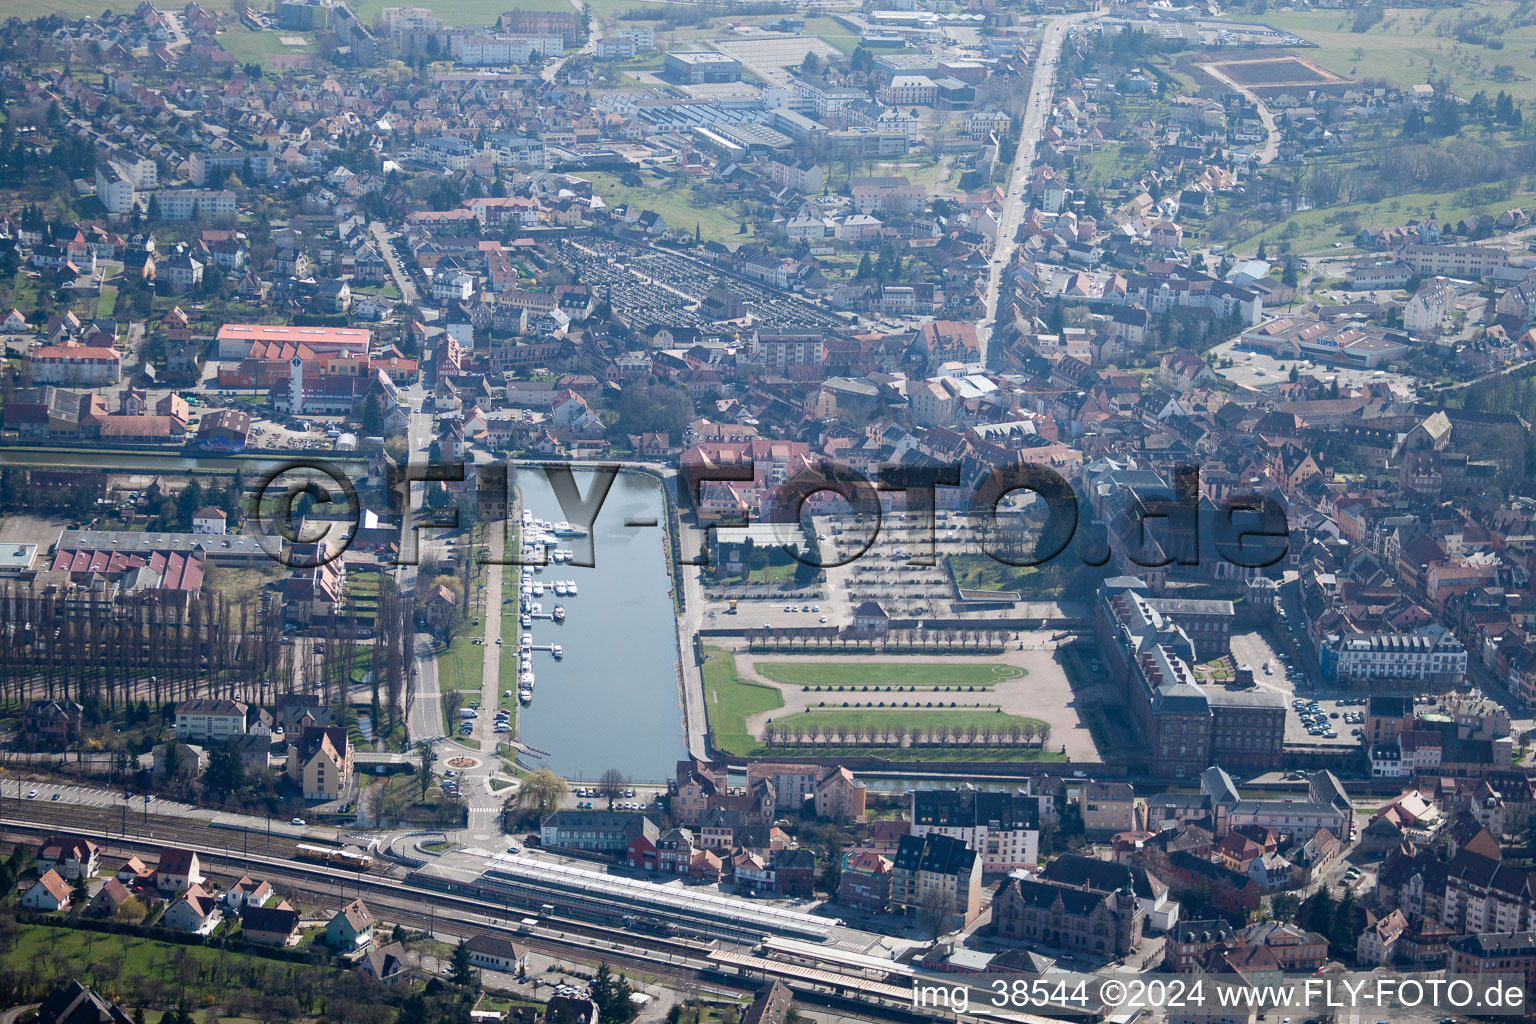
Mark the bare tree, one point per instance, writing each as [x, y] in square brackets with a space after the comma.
[934, 910]
[611, 785]
[453, 703]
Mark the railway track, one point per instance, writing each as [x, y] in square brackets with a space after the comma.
[155, 829]
[442, 913]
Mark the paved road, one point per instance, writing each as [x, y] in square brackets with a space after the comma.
[1272, 134]
[475, 783]
[425, 718]
[695, 609]
[402, 279]
[1041, 89]
[589, 47]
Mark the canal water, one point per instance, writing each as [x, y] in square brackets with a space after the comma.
[612, 701]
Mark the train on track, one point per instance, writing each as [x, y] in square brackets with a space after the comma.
[355, 860]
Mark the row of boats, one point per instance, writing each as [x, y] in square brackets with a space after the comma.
[540, 535]
[560, 588]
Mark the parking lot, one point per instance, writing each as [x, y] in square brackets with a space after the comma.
[1258, 370]
[1330, 720]
[1273, 669]
[665, 288]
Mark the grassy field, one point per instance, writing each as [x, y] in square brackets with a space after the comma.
[913, 719]
[1060, 577]
[676, 205]
[1103, 164]
[614, 8]
[905, 673]
[729, 699]
[260, 47]
[832, 33]
[453, 12]
[1404, 48]
[460, 666]
[1319, 229]
[234, 583]
[83, 954]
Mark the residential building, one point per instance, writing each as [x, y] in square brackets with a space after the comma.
[1004, 828]
[596, 831]
[1327, 806]
[937, 879]
[192, 912]
[494, 953]
[831, 790]
[351, 928]
[49, 893]
[1109, 807]
[210, 720]
[71, 856]
[75, 365]
[1485, 957]
[270, 926]
[320, 762]
[177, 869]
[199, 204]
[865, 881]
[1426, 310]
[1431, 655]
[73, 1003]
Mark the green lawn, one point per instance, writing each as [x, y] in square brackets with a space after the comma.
[677, 205]
[1319, 229]
[829, 30]
[1404, 48]
[914, 719]
[260, 47]
[729, 699]
[461, 665]
[91, 957]
[1103, 164]
[107, 303]
[905, 673]
[1061, 576]
[614, 8]
[773, 573]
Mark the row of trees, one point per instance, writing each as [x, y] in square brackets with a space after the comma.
[896, 638]
[90, 647]
[897, 734]
[107, 653]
